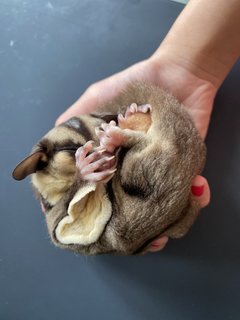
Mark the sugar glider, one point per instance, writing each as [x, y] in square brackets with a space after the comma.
[113, 180]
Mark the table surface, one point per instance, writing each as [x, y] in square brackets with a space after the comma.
[51, 51]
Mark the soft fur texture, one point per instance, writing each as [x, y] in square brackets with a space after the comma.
[150, 193]
[88, 214]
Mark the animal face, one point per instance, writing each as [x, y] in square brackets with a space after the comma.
[52, 161]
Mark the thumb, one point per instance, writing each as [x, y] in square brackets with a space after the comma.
[95, 95]
[85, 104]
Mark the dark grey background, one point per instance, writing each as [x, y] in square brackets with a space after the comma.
[50, 52]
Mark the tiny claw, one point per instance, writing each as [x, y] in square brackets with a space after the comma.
[99, 149]
[112, 171]
[110, 158]
[120, 118]
[133, 107]
[82, 152]
[145, 108]
[102, 150]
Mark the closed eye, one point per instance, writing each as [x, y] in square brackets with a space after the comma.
[70, 149]
[73, 149]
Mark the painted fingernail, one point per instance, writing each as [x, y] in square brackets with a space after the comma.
[197, 190]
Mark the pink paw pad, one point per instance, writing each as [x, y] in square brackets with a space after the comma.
[95, 166]
[110, 136]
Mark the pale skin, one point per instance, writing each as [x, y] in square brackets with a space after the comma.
[191, 62]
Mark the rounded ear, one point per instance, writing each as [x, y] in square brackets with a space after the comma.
[29, 165]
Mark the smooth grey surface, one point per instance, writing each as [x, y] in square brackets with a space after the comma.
[50, 52]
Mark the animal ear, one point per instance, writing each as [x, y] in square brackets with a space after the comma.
[29, 165]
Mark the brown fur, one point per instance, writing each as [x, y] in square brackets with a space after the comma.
[151, 190]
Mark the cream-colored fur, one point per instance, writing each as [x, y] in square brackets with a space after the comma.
[59, 134]
[62, 169]
[88, 213]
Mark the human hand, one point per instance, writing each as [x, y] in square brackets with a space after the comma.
[197, 95]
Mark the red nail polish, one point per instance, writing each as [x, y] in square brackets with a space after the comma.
[197, 190]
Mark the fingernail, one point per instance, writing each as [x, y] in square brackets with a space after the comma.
[197, 190]
[159, 242]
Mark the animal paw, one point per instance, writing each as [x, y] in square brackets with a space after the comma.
[132, 109]
[110, 136]
[95, 164]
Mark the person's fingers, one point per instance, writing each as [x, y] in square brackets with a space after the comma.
[107, 89]
[158, 244]
[97, 94]
[201, 190]
[85, 104]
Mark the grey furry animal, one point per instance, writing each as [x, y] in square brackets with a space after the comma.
[131, 184]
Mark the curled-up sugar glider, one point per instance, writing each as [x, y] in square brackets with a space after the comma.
[114, 180]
